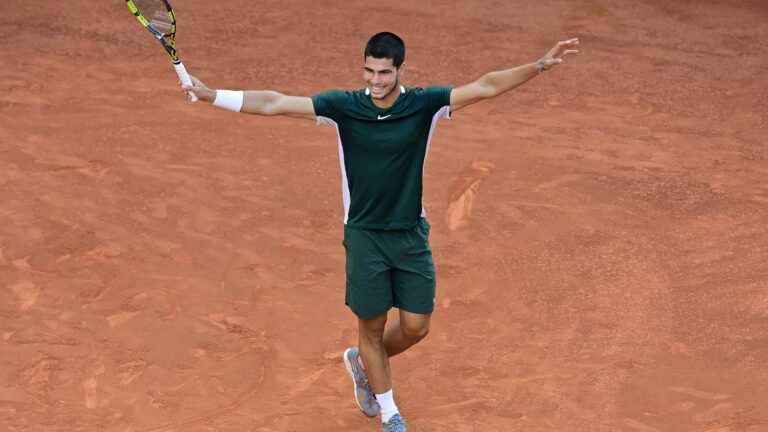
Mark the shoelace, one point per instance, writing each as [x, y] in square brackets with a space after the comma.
[368, 390]
[367, 387]
[364, 382]
[364, 377]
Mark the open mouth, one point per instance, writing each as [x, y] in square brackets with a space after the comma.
[378, 90]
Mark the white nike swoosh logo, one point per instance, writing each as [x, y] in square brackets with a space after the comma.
[380, 117]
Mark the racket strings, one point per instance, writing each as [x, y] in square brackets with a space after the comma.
[157, 14]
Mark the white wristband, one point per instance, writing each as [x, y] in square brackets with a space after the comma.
[229, 100]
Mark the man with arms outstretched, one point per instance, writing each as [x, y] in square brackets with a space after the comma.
[384, 132]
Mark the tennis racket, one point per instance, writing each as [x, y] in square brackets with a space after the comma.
[158, 17]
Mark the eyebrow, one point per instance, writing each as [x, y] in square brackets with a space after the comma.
[380, 71]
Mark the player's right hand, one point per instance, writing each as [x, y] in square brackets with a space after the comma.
[555, 55]
[200, 90]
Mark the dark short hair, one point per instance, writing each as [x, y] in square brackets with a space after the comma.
[386, 45]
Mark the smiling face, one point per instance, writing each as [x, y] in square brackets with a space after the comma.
[382, 78]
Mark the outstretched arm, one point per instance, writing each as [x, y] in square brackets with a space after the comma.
[493, 84]
[259, 102]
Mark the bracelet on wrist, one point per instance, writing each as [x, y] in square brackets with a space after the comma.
[541, 65]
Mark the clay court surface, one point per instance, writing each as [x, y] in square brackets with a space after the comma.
[600, 234]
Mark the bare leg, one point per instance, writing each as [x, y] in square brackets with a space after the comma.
[408, 331]
[377, 346]
[374, 354]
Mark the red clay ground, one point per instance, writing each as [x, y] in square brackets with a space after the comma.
[172, 267]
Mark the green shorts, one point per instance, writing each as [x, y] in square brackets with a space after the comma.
[387, 268]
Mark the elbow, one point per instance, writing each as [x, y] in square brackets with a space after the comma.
[271, 104]
[487, 89]
[268, 110]
[265, 103]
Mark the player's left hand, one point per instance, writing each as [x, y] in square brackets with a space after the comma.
[556, 54]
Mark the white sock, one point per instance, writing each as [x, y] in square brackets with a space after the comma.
[387, 403]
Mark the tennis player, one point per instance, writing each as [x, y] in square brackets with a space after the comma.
[384, 133]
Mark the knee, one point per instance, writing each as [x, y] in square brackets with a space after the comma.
[372, 337]
[415, 331]
[372, 332]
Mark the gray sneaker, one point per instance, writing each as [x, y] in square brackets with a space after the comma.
[395, 424]
[364, 396]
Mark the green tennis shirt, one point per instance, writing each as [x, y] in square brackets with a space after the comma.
[382, 152]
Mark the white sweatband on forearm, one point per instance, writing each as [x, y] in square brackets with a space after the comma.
[229, 100]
